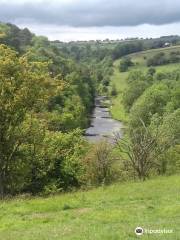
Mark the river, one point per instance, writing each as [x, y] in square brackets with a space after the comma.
[102, 125]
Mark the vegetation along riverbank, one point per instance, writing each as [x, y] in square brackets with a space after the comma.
[57, 184]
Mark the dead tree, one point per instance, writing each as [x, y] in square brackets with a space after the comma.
[140, 152]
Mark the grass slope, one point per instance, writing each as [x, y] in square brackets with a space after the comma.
[119, 78]
[108, 213]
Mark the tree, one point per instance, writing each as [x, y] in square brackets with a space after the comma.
[125, 48]
[137, 83]
[23, 87]
[53, 159]
[152, 101]
[158, 59]
[170, 129]
[125, 64]
[140, 152]
[99, 164]
[151, 71]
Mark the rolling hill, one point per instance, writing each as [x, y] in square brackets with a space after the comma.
[119, 78]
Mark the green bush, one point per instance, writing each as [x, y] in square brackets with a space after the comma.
[125, 64]
[100, 164]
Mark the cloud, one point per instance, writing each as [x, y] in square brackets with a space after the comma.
[91, 13]
[67, 34]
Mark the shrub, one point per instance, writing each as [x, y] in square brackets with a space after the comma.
[158, 59]
[113, 91]
[100, 164]
[125, 64]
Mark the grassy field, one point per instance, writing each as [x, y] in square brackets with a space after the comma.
[108, 213]
[119, 78]
[139, 57]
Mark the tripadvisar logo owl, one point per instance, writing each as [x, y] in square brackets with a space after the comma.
[139, 231]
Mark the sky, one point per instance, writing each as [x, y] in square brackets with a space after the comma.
[68, 20]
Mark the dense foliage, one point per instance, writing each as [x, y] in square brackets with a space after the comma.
[45, 101]
[14, 37]
[161, 58]
[47, 92]
[153, 100]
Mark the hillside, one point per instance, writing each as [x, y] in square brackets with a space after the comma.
[118, 78]
[105, 213]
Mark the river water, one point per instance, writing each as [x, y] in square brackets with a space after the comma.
[102, 125]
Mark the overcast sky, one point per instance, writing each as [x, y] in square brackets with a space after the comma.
[68, 20]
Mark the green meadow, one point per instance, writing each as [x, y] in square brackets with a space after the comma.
[108, 213]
